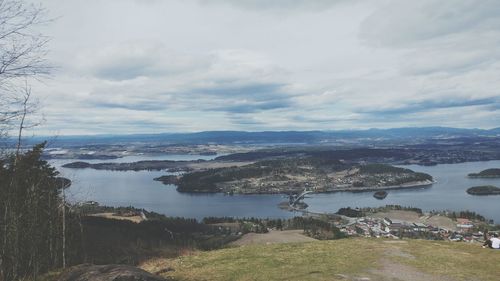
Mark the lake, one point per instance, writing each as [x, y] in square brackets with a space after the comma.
[131, 188]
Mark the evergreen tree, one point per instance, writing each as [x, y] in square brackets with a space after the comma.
[30, 215]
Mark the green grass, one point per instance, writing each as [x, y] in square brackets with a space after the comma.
[330, 260]
[459, 260]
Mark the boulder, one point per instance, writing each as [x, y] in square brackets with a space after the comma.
[87, 272]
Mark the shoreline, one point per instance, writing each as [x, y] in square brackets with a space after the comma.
[420, 184]
[378, 188]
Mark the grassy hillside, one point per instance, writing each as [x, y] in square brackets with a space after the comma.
[347, 259]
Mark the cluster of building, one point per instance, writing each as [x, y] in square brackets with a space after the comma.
[377, 227]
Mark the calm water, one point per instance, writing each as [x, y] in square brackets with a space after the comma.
[139, 190]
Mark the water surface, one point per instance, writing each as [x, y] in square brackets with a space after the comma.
[130, 188]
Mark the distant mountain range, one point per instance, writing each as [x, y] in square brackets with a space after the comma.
[278, 137]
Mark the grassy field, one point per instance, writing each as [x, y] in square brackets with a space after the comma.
[347, 259]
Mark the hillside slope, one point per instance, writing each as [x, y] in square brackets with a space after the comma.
[347, 259]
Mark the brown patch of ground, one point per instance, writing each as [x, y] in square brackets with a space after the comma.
[401, 215]
[273, 237]
[413, 217]
[395, 271]
[441, 221]
[390, 269]
[136, 219]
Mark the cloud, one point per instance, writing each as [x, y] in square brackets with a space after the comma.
[326, 119]
[252, 107]
[276, 5]
[438, 36]
[132, 60]
[428, 105]
[246, 120]
[141, 66]
[234, 81]
[403, 23]
[246, 98]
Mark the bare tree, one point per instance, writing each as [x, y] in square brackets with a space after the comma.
[22, 56]
[22, 48]
[27, 107]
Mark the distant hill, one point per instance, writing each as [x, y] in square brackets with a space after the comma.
[278, 137]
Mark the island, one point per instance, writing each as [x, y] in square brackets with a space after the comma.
[380, 194]
[488, 173]
[156, 165]
[484, 190]
[150, 165]
[293, 175]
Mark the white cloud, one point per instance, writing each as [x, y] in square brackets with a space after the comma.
[276, 5]
[150, 66]
[127, 61]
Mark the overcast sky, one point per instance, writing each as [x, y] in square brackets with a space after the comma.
[150, 66]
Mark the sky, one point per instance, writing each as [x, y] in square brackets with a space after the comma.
[152, 66]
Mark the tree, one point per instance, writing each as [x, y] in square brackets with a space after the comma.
[22, 56]
[30, 202]
[31, 239]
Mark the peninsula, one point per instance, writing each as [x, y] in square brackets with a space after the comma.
[294, 174]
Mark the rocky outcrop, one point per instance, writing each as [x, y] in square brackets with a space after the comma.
[87, 272]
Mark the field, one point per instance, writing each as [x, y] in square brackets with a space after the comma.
[410, 216]
[272, 237]
[347, 259]
[108, 215]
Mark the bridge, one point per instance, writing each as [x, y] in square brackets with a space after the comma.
[293, 200]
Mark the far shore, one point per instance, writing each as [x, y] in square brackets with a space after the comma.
[409, 185]
[389, 187]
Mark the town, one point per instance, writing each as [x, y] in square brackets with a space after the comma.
[464, 230]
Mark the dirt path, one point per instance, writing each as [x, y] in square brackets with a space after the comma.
[273, 237]
[389, 269]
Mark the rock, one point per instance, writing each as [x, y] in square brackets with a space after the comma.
[87, 272]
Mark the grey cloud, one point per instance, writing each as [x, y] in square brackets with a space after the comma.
[138, 106]
[325, 119]
[233, 98]
[430, 105]
[253, 106]
[246, 98]
[452, 62]
[132, 60]
[450, 38]
[245, 119]
[402, 23]
[274, 5]
[125, 69]
[255, 91]
[221, 64]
